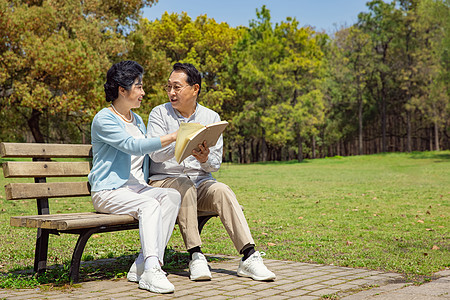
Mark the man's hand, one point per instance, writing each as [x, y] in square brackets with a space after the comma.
[202, 155]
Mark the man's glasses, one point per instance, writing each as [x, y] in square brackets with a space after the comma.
[177, 88]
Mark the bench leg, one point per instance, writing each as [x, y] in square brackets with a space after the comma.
[40, 254]
[78, 252]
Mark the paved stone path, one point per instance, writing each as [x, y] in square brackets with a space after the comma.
[294, 281]
[435, 290]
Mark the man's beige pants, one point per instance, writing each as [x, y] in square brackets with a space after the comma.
[209, 196]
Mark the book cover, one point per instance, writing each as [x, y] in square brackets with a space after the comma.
[190, 135]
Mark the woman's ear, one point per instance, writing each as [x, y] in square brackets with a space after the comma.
[122, 91]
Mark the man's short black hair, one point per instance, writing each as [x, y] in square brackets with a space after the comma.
[193, 75]
[122, 74]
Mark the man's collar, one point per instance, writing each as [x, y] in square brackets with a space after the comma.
[179, 115]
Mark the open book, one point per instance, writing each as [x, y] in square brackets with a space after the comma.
[190, 135]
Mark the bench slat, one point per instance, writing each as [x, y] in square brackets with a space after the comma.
[22, 169]
[44, 150]
[18, 191]
[76, 220]
[70, 221]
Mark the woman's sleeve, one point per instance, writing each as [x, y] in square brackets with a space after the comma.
[106, 129]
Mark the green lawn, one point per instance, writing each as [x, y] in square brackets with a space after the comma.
[384, 212]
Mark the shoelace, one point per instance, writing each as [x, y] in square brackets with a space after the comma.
[258, 256]
[159, 273]
[255, 261]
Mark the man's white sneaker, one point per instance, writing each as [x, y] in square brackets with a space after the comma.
[254, 267]
[198, 267]
[135, 272]
[155, 280]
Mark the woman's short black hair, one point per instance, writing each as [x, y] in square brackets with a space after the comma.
[122, 74]
[193, 75]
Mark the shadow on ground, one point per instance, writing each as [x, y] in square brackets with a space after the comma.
[93, 270]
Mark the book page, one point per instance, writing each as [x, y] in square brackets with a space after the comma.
[193, 138]
[186, 130]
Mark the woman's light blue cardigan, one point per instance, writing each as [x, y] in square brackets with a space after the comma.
[112, 147]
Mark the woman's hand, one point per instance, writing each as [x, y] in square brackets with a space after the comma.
[169, 139]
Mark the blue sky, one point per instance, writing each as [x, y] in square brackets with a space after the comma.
[325, 15]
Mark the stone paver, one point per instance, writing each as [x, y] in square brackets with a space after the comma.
[436, 290]
[294, 280]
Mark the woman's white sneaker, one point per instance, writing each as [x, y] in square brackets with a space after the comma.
[155, 280]
[254, 268]
[198, 267]
[135, 272]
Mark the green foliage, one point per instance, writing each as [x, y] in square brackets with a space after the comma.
[431, 20]
[177, 38]
[11, 281]
[54, 55]
[275, 71]
[287, 90]
[350, 66]
[386, 70]
[277, 125]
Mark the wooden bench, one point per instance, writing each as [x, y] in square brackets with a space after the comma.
[42, 167]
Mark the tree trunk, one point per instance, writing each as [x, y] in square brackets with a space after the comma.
[242, 153]
[248, 152]
[436, 130]
[409, 133]
[300, 148]
[383, 124]
[430, 139]
[436, 136]
[258, 150]
[33, 124]
[253, 152]
[264, 150]
[360, 125]
[313, 147]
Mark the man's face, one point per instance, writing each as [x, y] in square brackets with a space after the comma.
[182, 96]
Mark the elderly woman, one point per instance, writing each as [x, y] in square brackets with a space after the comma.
[119, 174]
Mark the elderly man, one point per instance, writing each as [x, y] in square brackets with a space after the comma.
[193, 179]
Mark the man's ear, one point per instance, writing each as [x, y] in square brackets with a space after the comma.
[196, 88]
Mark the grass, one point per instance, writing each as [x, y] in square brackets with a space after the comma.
[383, 212]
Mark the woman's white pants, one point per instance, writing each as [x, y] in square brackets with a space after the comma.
[156, 209]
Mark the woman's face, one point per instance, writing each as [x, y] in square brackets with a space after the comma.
[135, 94]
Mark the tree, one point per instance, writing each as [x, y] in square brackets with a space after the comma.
[393, 57]
[381, 23]
[53, 57]
[275, 71]
[352, 64]
[251, 73]
[432, 23]
[177, 38]
[301, 78]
